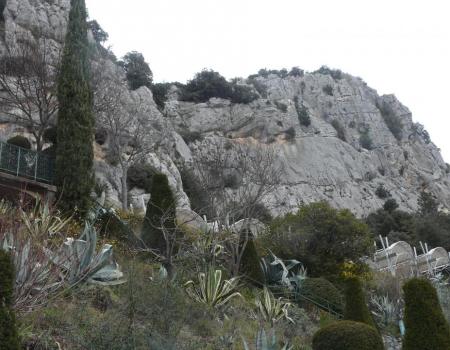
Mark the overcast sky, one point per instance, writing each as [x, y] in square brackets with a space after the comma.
[400, 47]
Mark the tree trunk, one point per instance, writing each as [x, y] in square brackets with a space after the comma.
[124, 187]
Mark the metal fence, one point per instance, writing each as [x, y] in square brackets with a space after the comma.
[26, 163]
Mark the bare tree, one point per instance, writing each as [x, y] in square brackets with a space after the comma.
[236, 177]
[28, 73]
[125, 116]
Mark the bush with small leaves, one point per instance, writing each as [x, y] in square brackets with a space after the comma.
[335, 73]
[328, 89]
[322, 292]
[296, 72]
[302, 112]
[390, 205]
[355, 303]
[290, 134]
[382, 192]
[426, 326]
[137, 71]
[365, 140]
[281, 106]
[140, 176]
[347, 335]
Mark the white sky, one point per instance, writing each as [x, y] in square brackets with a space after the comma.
[396, 46]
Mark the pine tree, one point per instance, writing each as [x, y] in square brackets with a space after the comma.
[426, 326]
[8, 332]
[355, 303]
[74, 157]
[160, 212]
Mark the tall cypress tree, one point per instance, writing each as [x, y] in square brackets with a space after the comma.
[9, 339]
[74, 156]
[161, 211]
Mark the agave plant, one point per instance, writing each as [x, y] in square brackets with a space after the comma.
[386, 311]
[42, 221]
[276, 271]
[82, 263]
[263, 342]
[5, 207]
[271, 309]
[211, 289]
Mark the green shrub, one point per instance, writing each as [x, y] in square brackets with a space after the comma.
[99, 34]
[302, 113]
[426, 326]
[335, 73]
[328, 89]
[259, 86]
[323, 292]
[159, 92]
[250, 265]
[160, 212]
[390, 205]
[50, 135]
[296, 72]
[205, 85]
[20, 141]
[347, 335]
[355, 303]
[137, 71]
[140, 176]
[339, 129]
[290, 133]
[321, 237]
[382, 192]
[2, 8]
[8, 332]
[365, 140]
[242, 94]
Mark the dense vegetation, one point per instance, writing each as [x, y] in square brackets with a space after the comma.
[208, 84]
[74, 157]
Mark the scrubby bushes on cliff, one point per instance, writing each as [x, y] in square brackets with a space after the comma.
[392, 121]
[137, 71]
[347, 335]
[208, 84]
[426, 326]
[365, 140]
[339, 129]
[302, 112]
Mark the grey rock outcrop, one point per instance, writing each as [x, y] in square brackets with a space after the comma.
[322, 161]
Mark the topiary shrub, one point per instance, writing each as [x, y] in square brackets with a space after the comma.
[9, 339]
[347, 335]
[20, 141]
[426, 326]
[355, 303]
[250, 265]
[160, 212]
[323, 292]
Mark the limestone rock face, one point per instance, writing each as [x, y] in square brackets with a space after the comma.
[322, 161]
[319, 165]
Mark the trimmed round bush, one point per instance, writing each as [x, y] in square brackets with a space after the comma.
[355, 303]
[347, 335]
[323, 292]
[426, 326]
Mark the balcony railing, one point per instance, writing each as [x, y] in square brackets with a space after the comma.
[23, 162]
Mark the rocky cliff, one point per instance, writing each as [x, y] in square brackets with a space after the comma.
[356, 142]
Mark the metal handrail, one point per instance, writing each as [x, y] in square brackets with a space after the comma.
[26, 163]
